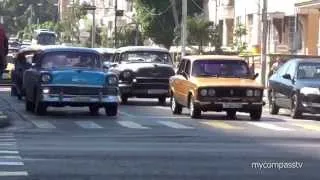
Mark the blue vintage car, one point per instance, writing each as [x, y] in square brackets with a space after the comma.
[69, 76]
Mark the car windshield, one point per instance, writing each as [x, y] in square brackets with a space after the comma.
[46, 39]
[70, 59]
[107, 57]
[220, 68]
[147, 57]
[309, 71]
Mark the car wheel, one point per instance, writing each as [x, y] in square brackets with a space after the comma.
[29, 105]
[40, 108]
[295, 105]
[176, 108]
[94, 110]
[111, 110]
[124, 99]
[273, 108]
[256, 114]
[195, 112]
[162, 100]
[231, 114]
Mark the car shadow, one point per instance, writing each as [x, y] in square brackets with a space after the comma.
[135, 102]
[306, 117]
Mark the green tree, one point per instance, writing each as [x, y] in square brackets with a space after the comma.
[157, 20]
[239, 44]
[127, 36]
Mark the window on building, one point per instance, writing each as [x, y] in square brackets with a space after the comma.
[129, 5]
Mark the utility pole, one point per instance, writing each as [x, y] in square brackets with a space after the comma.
[93, 37]
[264, 42]
[115, 24]
[184, 27]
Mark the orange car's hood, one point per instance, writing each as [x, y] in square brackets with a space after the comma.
[225, 82]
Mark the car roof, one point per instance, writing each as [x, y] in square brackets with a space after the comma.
[212, 57]
[306, 60]
[141, 48]
[105, 50]
[56, 48]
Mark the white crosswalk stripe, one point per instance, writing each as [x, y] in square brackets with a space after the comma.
[88, 125]
[43, 124]
[175, 125]
[132, 125]
[269, 126]
[10, 158]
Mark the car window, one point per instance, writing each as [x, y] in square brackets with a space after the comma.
[146, 57]
[221, 68]
[309, 71]
[291, 69]
[187, 67]
[70, 59]
[283, 69]
[181, 66]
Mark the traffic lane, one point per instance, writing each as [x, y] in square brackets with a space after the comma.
[100, 157]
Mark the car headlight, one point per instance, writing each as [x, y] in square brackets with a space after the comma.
[46, 78]
[257, 93]
[310, 90]
[212, 92]
[112, 80]
[126, 74]
[204, 92]
[249, 92]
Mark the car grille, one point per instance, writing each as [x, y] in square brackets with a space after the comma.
[155, 72]
[230, 92]
[152, 80]
[82, 90]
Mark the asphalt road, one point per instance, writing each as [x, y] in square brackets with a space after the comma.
[147, 142]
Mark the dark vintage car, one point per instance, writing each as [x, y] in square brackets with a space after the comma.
[106, 53]
[21, 62]
[65, 76]
[216, 83]
[143, 72]
[296, 86]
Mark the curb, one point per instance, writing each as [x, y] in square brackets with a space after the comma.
[4, 120]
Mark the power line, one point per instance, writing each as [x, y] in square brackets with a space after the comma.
[197, 5]
[157, 14]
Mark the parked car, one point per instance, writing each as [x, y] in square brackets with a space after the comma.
[215, 83]
[143, 72]
[106, 53]
[22, 62]
[296, 86]
[66, 76]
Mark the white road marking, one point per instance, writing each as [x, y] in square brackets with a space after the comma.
[162, 107]
[132, 125]
[10, 157]
[8, 144]
[175, 125]
[126, 114]
[8, 152]
[5, 89]
[4, 163]
[88, 125]
[13, 173]
[269, 126]
[43, 124]
[7, 140]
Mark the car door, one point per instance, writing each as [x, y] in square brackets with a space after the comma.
[178, 80]
[186, 84]
[279, 85]
[288, 84]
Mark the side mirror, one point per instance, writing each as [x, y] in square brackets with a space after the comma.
[287, 76]
[255, 75]
[33, 65]
[185, 75]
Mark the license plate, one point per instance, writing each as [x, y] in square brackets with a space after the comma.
[82, 99]
[232, 105]
[157, 91]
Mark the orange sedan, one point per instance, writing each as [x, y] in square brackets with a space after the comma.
[216, 83]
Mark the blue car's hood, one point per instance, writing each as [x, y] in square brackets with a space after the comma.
[78, 77]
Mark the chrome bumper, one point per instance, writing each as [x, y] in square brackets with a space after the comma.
[79, 99]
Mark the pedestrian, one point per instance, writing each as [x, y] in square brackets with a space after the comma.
[3, 49]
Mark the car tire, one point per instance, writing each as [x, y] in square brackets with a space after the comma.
[176, 108]
[111, 110]
[94, 110]
[295, 105]
[273, 108]
[231, 114]
[162, 100]
[124, 99]
[256, 114]
[40, 108]
[195, 112]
